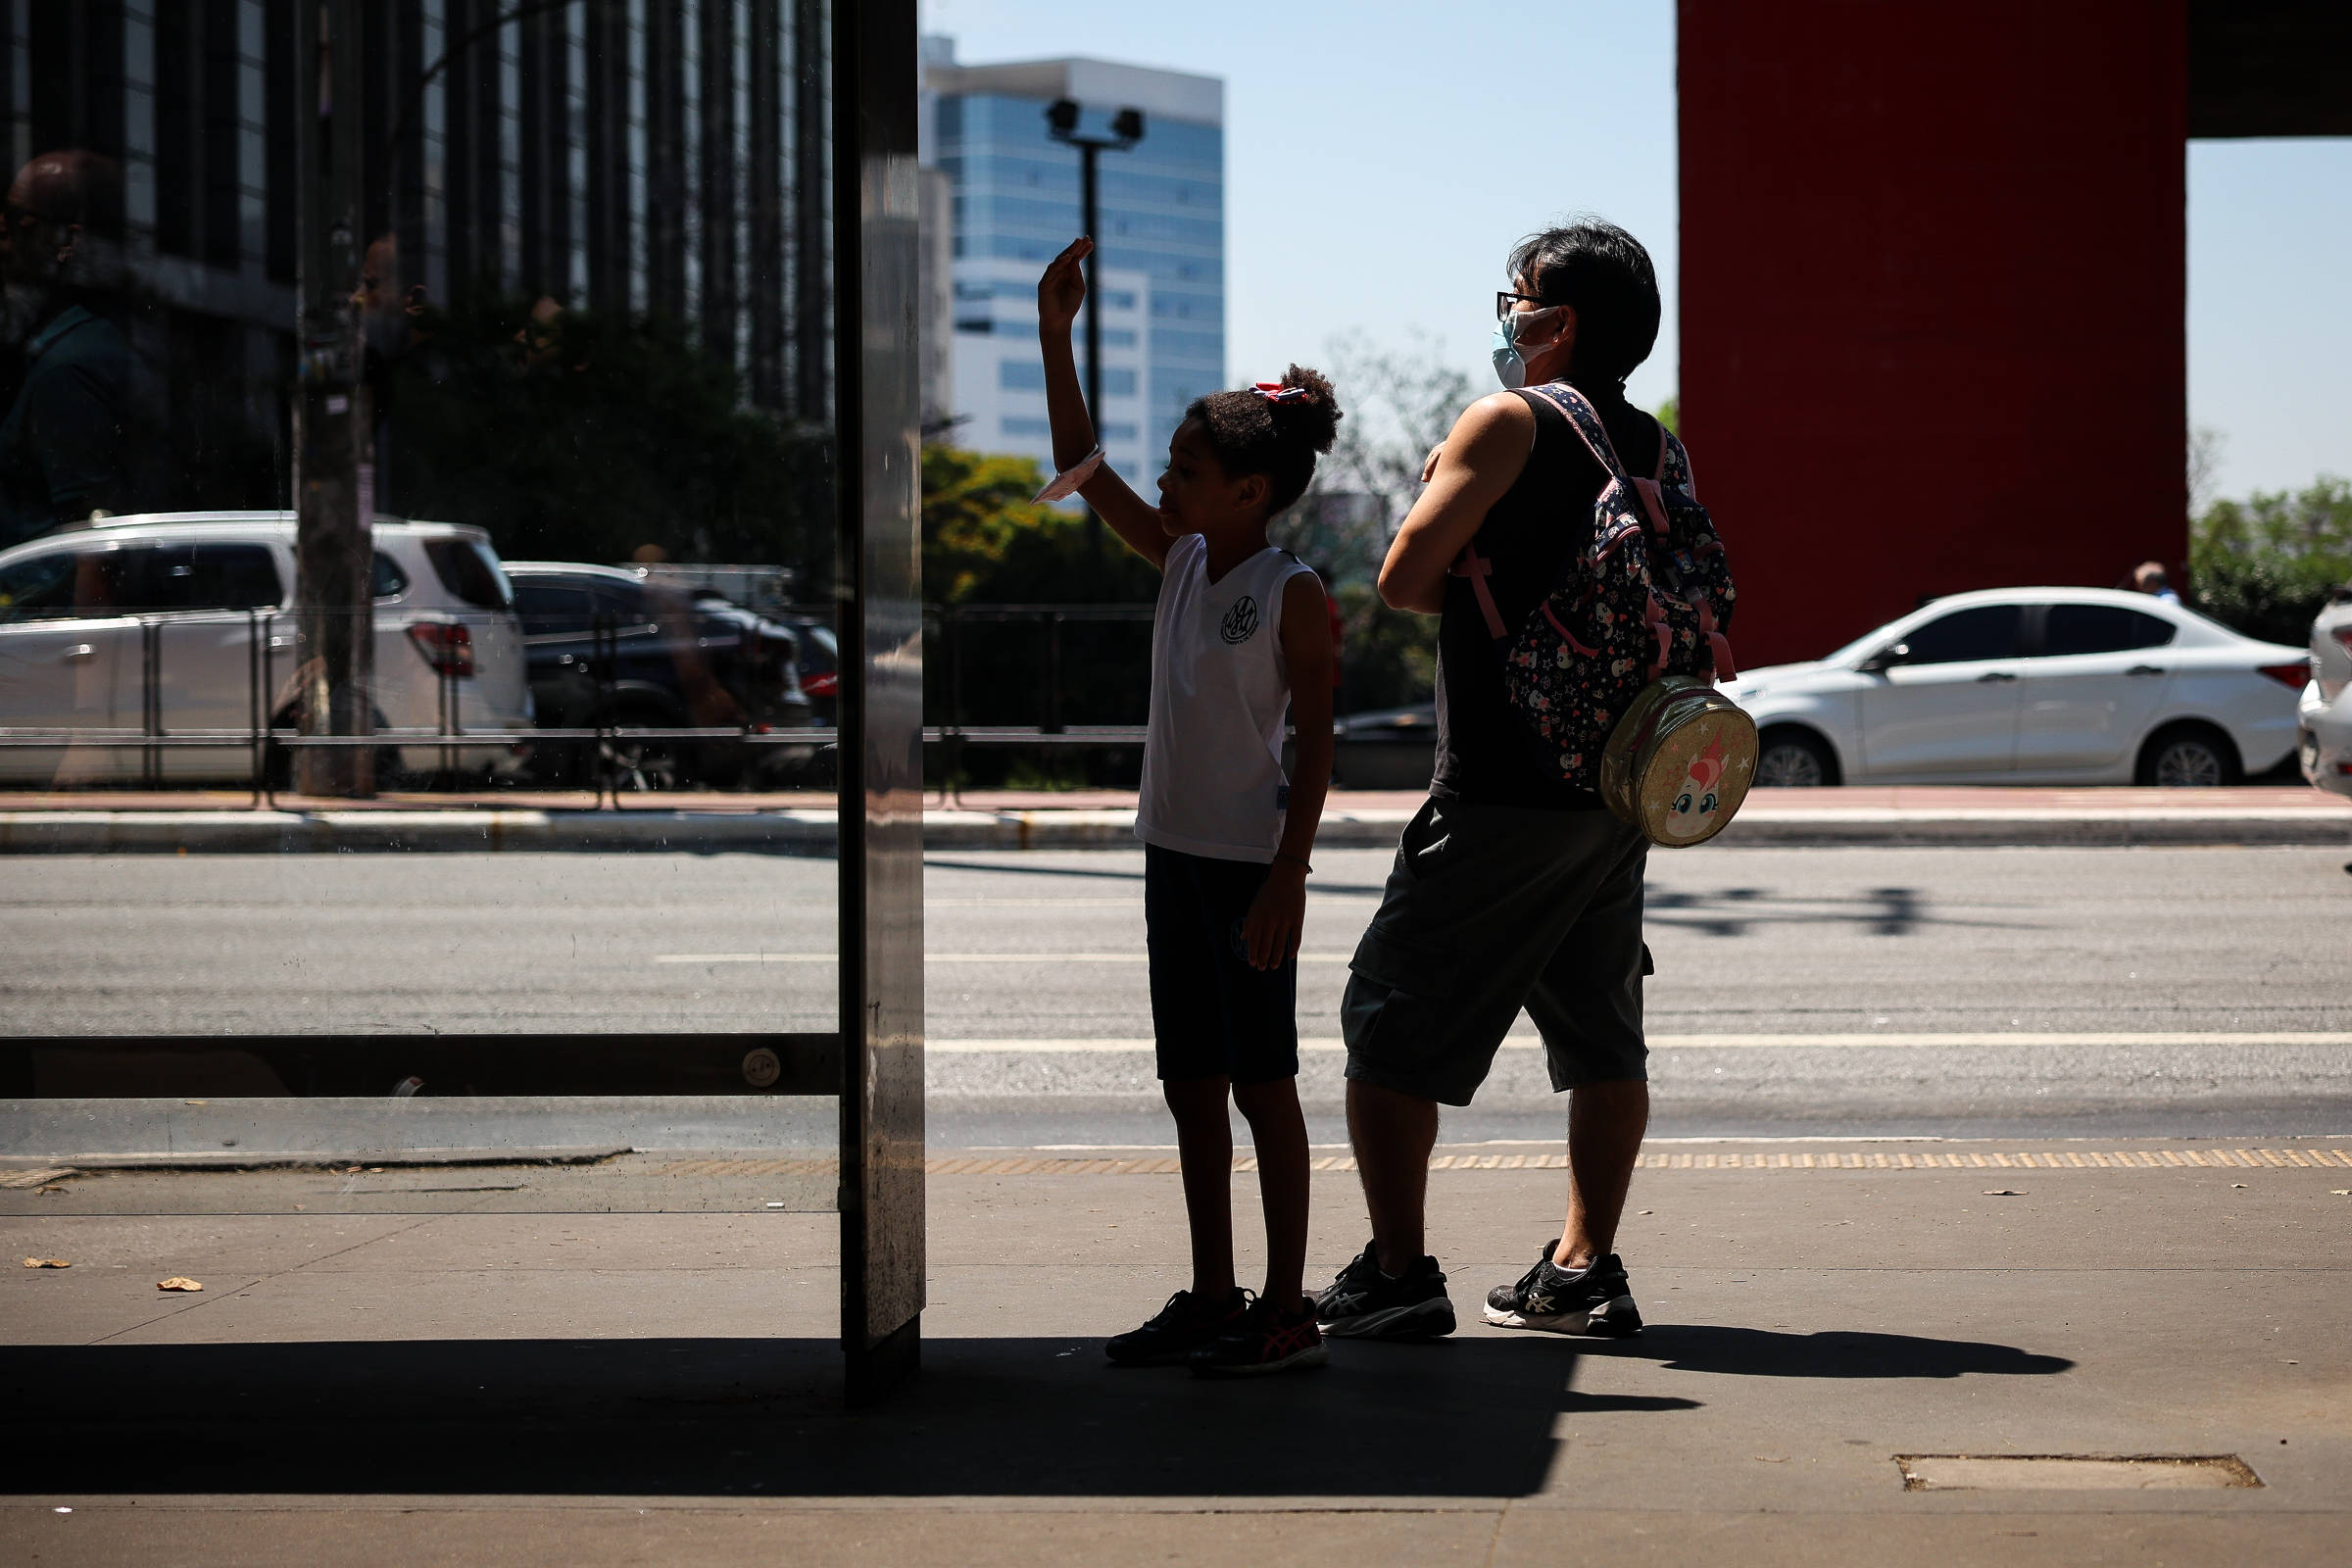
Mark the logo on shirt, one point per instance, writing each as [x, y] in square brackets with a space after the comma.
[1240, 621]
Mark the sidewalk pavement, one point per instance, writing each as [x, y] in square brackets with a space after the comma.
[804, 823]
[598, 1388]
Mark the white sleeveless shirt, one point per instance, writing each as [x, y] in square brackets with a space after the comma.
[1214, 784]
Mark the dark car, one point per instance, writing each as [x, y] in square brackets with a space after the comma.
[1392, 749]
[605, 648]
[821, 667]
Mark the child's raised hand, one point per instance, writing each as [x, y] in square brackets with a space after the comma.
[1062, 289]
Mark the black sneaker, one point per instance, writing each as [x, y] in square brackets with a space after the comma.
[1597, 1302]
[1363, 1303]
[1262, 1339]
[1181, 1327]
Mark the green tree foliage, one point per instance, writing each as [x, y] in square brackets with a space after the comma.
[986, 541]
[1399, 405]
[574, 435]
[2264, 565]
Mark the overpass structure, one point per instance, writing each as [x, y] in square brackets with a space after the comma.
[1934, 283]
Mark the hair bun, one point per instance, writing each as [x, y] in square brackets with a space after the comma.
[1318, 411]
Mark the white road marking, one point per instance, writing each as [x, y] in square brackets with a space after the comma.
[1108, 1044]
[1135, 902]
[951, 957]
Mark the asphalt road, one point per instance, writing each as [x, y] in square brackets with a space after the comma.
[1834, 992]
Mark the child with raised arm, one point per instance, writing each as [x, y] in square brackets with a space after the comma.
[1240, 635]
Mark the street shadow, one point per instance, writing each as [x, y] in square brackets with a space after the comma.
[1004, 1417]
[1736, 911]
[1831, 1353]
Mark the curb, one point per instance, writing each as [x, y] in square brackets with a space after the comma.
[812, 832]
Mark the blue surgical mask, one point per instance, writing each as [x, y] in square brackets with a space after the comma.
[1509, 369]
[1510, 365]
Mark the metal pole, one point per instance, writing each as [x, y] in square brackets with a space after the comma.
[878, 587]
[335, 470]
[253, 711]
[1053, 724]
[151, 702]
[1093, 325]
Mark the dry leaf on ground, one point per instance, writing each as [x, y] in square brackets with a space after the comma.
[178, 1283]
[48, 1262]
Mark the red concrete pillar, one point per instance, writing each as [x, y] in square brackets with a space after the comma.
[1934, 287]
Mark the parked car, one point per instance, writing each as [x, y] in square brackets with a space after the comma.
[2031, 686]
[607, 649]
[1391, 749]
[145, 624]
[2324, 717]
[819, 666]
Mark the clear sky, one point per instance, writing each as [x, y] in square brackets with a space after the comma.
[1381, 156]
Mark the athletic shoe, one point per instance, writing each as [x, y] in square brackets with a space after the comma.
[1182, 1327]
[1264, 1339]
[1597, 1302]
[1363, 1303]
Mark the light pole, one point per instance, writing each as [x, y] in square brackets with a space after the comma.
[1126, 130]
[335, 468]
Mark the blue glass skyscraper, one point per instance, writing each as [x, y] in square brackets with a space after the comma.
[1162, 220]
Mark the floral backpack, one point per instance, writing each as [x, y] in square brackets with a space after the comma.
[1613, 673]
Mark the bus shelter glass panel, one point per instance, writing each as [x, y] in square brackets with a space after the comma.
[420, 687]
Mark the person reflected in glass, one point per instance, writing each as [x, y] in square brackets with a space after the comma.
[76, 426]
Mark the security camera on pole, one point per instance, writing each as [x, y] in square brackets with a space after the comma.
[334, 471]
[1126, 130]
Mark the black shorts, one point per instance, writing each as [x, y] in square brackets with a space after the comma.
[1489, 909]
[1212, 1015]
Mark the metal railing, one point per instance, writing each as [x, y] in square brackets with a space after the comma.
[269, 743]
[262, 733]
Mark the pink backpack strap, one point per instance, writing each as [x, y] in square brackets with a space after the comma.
[1717, 642]
[1585, 419]
[1478, 568]
[1652, 503]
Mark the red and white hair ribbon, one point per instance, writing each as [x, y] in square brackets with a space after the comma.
[1275, 392]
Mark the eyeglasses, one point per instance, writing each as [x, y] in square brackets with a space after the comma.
[1502, 303]
[20, 215]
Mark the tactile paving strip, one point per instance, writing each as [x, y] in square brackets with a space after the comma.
[1749, 1160]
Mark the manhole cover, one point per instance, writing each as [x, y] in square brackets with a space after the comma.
[2072, 1472]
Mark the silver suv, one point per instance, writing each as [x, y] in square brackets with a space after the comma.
[146, 627]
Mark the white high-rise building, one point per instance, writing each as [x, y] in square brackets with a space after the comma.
[1162, 220]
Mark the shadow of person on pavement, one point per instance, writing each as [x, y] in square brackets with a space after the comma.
[764, 1417]
[1831, 1353]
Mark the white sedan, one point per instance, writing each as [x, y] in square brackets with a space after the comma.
[2031, 686]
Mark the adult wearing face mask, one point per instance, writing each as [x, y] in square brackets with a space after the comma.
[81, 410]
[1512, 888]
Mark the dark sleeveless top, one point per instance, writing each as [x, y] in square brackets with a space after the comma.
[1485, 755]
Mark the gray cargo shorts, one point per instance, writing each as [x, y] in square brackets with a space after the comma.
[1489, 909]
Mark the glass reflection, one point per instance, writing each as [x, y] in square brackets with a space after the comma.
[595, 344]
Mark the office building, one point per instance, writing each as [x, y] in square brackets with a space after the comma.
[1161, 222]
[657, 157]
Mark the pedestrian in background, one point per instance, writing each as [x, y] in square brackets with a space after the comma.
[2148, 577]
[1240, 638]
